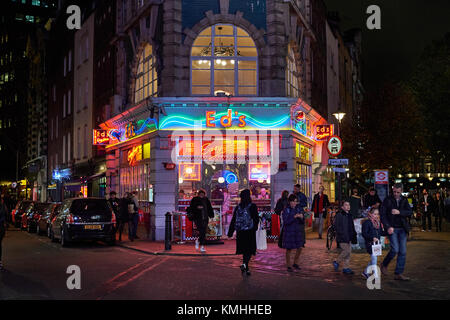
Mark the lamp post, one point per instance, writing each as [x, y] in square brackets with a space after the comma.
[339, 116]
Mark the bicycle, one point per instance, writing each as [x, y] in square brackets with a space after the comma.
[331, 231]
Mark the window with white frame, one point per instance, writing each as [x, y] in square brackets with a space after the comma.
[292, 87]
[224, 60]
[69, 102]
[69, 66]
[64, 106]
[146, 84]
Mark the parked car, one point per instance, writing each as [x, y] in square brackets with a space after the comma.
[34, 213]
[46, 218]
[84, 219]
[21, 207]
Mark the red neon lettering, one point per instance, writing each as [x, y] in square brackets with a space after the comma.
[210, 118]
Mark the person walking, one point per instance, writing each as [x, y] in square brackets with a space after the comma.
[355, 204]
[123, 215]
[245, 222]
[439, 211]
[426, 208]
[301, 197]
[319, 207]
[447, 207]
[293, 232]
[345, 236]
[371, 232]
[133, 210]
[394, 212]
[3, 213]
[282, 203]
[202, 210]
[115, 205]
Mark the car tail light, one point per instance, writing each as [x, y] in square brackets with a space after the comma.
[14, 215]
[69, 219]
[36, 216]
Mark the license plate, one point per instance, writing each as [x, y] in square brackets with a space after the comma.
[93, 227]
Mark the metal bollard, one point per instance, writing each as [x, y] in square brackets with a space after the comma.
[168, 238]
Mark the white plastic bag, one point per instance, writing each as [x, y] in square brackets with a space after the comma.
[376, 249]
[261, 238]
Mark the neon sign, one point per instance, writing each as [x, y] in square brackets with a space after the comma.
[135, 154]
[214, 120]
[101, 137]
[324, 131]
[225, 121]
[259, 171]
[190, 171]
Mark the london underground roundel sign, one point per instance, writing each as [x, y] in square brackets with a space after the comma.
[334, 146]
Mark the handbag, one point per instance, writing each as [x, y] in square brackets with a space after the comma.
[376, 249]
[261, 238]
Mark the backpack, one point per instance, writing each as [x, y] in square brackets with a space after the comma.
[243, 219]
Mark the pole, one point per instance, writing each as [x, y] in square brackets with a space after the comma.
[17, 175]
[168, 237]
[339, 174]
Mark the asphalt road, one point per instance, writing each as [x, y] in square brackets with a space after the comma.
[36, 269]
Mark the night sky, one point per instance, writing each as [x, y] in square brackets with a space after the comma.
[407, 27]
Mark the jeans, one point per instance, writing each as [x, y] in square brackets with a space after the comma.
[398, 248]
[201, 227]
[438, 223]
[426, 216]
[372, 262]
[132, 226]
[319, 222]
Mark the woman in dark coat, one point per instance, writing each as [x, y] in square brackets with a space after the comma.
[293, 231]
[245, 221]
[123, 215]
[282, 203]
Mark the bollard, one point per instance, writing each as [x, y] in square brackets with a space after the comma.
[168, 238]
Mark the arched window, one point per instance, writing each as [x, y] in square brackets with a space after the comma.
[292, 87]
[224, 60]
[146, 84]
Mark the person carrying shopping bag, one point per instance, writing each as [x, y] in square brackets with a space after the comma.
[372, 230]
[293, 236]
[245, 222]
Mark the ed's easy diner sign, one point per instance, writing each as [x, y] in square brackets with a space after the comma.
[225, 121]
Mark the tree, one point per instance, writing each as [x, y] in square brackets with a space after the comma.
[430, 83]
[386, 134]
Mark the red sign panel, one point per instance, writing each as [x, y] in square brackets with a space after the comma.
[324, 131]
[381, 177]
[334, 146]
[100, 137]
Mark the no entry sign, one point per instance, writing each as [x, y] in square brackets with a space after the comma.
[334, 146]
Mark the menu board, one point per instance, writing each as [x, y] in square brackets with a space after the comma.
[215, 224]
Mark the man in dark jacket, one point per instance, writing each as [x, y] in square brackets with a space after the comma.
[426, 208]
[394, 212]
[371, 199]
[202, 211]
[319, 207]
[345, 236]
[301, 197]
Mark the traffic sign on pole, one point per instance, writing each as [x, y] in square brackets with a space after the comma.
[339, 169]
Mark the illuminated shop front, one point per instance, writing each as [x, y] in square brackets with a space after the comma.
[223, 145]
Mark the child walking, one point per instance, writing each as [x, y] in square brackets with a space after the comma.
[371, 231]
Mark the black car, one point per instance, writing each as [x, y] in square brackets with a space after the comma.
[84, 219]
[46, 218]
[21, 208]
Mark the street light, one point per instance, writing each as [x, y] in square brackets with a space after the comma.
[339, 116]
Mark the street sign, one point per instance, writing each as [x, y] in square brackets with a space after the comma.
[334, 146]
[381, 177]
[338, 162]
[339, 170]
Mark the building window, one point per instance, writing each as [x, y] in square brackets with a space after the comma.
[292, 87]
[79, 144]
[65, 66]
[69, 102]
[146, 84]
[69, 150]
[224, 60]
[64, 106]
[69, 66]
[64, 149]
[86, 92]
[85, 142]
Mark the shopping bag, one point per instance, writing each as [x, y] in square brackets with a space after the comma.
[261, 239]
[376, 249]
